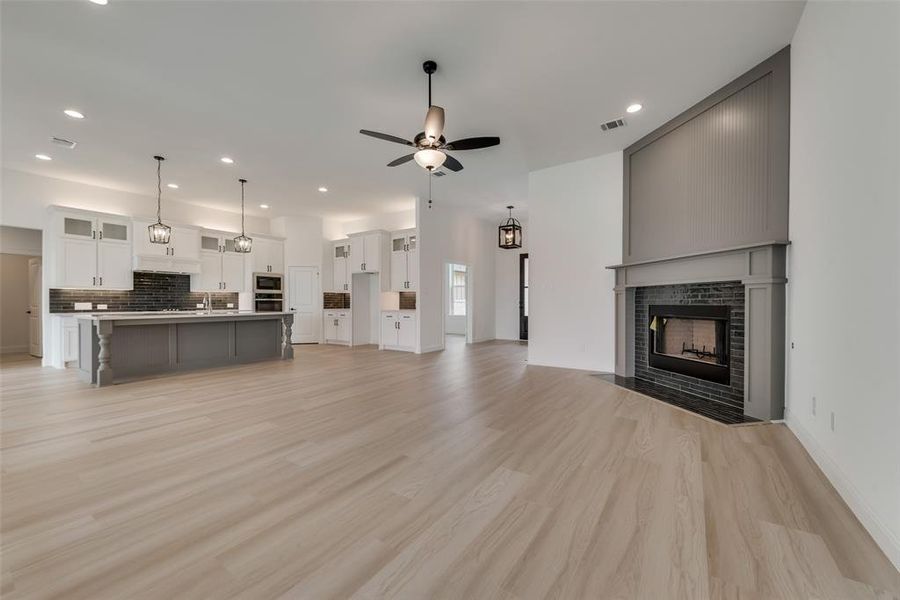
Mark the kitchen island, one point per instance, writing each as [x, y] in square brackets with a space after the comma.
[126, 346]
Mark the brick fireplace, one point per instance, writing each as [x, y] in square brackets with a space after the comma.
[710, 325]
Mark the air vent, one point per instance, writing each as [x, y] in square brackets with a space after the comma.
[63, 142]
[438, 173]
[614, 124]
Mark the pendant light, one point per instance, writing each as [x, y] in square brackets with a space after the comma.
[510, 232]
[242, 243]
[159, 233]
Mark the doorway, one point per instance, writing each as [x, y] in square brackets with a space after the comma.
[458, 308]
[303, 301]
[523, 296]
[21, 288]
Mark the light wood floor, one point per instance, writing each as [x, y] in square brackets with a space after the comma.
[353, 473]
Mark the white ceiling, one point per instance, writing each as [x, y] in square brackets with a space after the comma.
[283, 87]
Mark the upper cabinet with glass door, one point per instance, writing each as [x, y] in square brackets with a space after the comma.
[89, 250]
[404, 260]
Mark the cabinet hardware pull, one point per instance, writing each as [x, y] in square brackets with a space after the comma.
[173, 251]
[93, 234]
[101, 280]
[101, 234]
[93, 281]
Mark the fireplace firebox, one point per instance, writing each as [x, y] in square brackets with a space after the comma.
[690, 339]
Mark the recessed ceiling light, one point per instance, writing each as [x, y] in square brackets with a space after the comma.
[174, 186]
[323, 189]
[264, 206]
[42, 157]
[634, 108]
[71, 112]
[227, 161]
[100, 2]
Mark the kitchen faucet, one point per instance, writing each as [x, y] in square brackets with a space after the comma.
[207, 303]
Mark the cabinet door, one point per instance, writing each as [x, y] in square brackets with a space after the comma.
[389, 331]
[372, 251]
[185, 243]
[343, 332]
[276, 256]
[329, 326]
[398, 263]
[77, 263]
[357, 254]
[412, 263]
[232, 271]
[259, 255]
[78, 227]
[339, 281]
[113, 231]
[70, 340]
[407, 331]
[210, 277]
[114, 265]
[142, 244]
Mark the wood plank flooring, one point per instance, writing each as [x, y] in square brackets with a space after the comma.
[354, 473]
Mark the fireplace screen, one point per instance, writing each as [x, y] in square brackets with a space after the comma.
[691, 340]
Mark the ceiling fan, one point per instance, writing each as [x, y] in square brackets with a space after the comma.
[431, 146]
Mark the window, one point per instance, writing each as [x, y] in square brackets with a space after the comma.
[457, 290]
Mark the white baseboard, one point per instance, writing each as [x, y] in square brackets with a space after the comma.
[883, 536]
[431, 349]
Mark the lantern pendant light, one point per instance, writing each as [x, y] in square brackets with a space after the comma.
[510, 232]
[159, 232]
[242, 243]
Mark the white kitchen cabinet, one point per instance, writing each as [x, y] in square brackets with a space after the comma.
[404, 260]
[180, 255]
[64, 341]
[70, 339]
[89, 250]
[337, 326]
[267, 255]
[398, 330]
[369, 252]
[221, 268]
[341, 273]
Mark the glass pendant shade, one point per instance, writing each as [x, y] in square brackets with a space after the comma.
[159, 233]
[242, 243]
[430, 159]
[510, 233]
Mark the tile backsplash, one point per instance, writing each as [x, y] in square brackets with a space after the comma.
[334, 300]
[152, 291]
[407, 300]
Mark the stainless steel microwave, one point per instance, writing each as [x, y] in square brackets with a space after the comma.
[267, 282]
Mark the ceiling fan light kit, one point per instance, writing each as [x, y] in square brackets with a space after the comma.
[431, 146]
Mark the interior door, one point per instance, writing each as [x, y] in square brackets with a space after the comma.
[34, 307]
[523, 296]
[303, 301]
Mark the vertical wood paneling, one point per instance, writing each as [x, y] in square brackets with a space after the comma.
[715, 176]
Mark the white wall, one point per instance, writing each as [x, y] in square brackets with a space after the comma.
[844, 261]
[15, 240]
[24, 199]
[506, 286]
[335, 230]
[449, 235]
[575, 231]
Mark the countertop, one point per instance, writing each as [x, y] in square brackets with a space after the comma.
[179, 315]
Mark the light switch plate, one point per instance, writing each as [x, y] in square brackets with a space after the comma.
[101, 307]
[83, 306]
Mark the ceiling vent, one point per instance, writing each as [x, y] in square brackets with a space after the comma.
[614, 124]
[63, 142]
[438, 173]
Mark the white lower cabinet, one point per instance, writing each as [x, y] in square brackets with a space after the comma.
[398, 330]
[337, 326]
[64, 341]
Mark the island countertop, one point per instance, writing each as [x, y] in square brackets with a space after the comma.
[180, 315]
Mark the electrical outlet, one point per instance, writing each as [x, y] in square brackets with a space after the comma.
[199, 305]
[814, 406]
[832, 421]
[229, 305]
[83, 306]
[101, 307]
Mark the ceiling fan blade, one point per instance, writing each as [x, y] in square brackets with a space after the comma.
[434, 123]
[452, 164]
[401, 160]
[386, 137]
[473, 143]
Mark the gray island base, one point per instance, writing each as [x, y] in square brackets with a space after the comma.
[123, 347]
